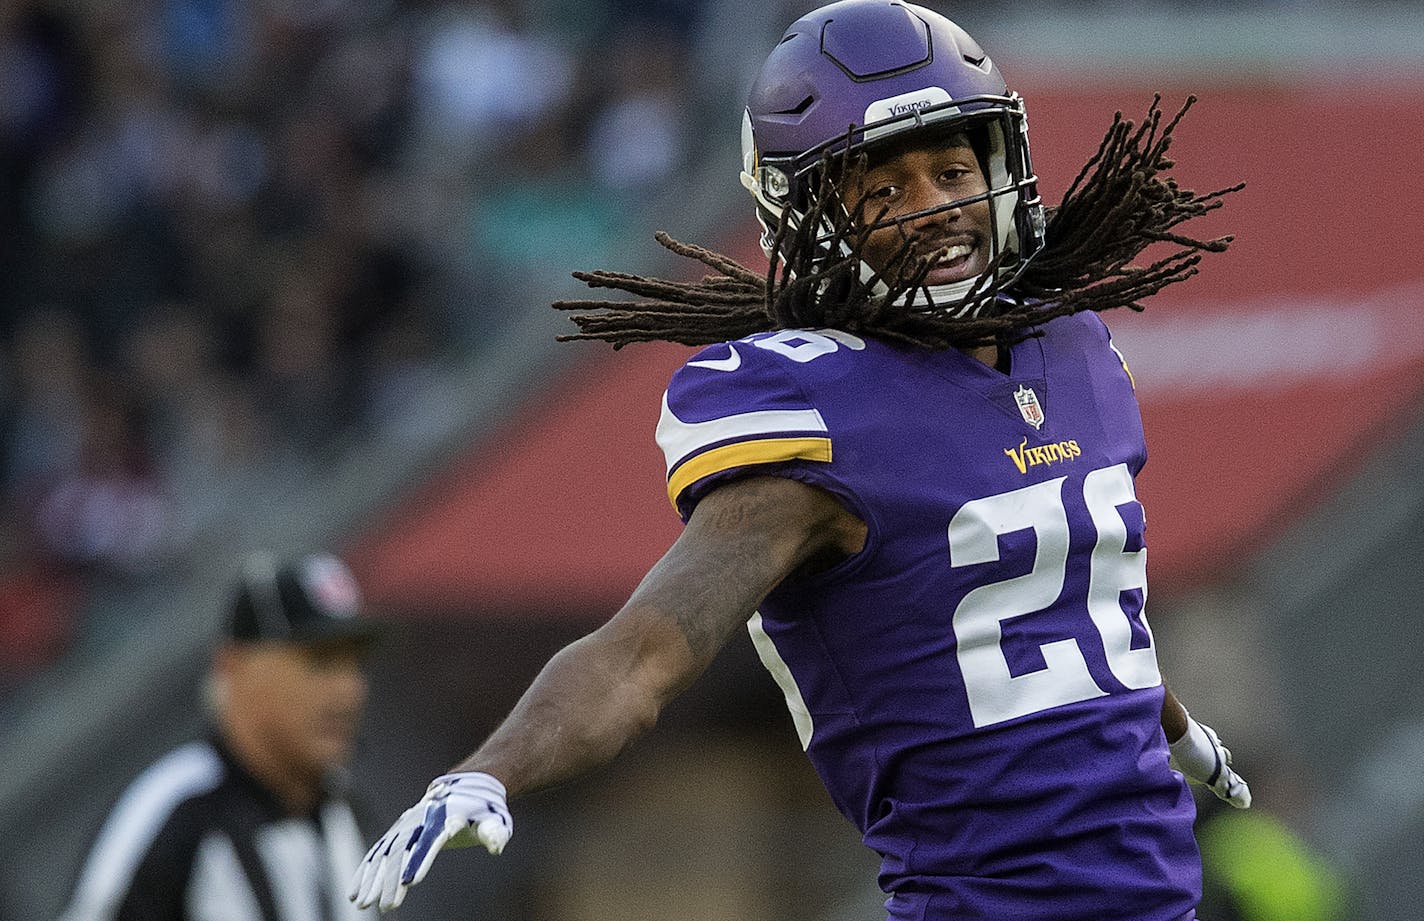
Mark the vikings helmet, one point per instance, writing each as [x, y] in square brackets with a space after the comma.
[866, 71]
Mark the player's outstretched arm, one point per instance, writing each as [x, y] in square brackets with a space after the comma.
[601, 692]
[1199, 754]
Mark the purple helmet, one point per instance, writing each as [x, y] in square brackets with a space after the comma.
[870, 70]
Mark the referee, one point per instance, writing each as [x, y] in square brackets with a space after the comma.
[247, 824]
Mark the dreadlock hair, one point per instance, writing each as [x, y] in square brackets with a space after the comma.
[1119, 204]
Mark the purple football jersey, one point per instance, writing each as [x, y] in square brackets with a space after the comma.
[978, 687]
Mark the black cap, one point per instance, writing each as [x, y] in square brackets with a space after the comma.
[311, 599]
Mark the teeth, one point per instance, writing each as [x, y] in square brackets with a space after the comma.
[956, 252]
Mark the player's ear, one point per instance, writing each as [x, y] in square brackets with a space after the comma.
[217, 687]
[231, 664]
[225, 658]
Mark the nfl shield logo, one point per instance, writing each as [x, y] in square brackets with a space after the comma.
[1029, 407]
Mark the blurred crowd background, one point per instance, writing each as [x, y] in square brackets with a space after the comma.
[238, 236]
[266, 263]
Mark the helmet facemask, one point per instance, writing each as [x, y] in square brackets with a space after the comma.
[796, 195]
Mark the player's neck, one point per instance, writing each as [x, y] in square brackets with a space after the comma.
[991, 355]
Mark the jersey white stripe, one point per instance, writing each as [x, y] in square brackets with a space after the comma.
[345, 846]
[291, 854]
[219, 889]
[680, 439]
[771, 658]
[141, 813]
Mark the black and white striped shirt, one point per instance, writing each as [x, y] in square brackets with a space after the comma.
[196, 838]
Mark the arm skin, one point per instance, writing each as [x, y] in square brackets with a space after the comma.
[1174, 716]
[601, 692]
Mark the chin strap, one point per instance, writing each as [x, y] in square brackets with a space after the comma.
[936, 298]
[949, 294]
[945, 300]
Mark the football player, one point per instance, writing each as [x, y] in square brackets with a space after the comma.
[908, 456]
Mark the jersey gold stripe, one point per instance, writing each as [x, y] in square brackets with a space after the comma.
[680, 439]
[1132, 380]
[745, 453]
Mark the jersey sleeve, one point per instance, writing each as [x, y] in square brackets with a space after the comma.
[733, 410]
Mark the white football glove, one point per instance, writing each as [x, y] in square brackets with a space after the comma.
[457, 810]
[1200, 755]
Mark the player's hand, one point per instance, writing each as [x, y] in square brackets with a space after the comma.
[1200, 755]
[458, 810]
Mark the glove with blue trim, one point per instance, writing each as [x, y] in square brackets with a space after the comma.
[1200, 755]
[457, 810]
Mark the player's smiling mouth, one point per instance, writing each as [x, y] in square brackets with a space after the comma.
[958, 260]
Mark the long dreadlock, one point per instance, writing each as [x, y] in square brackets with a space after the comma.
[1119, 204]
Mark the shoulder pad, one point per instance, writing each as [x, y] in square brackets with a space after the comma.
[746, 403]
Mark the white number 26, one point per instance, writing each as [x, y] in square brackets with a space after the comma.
[996, 695]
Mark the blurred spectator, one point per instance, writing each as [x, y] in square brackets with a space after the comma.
[543, 216]
[265, 227]
[109, 511]
[300, 368]
[211, 442]
[637, 138]
[51, 366]
[484, 77]
[402, 371]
